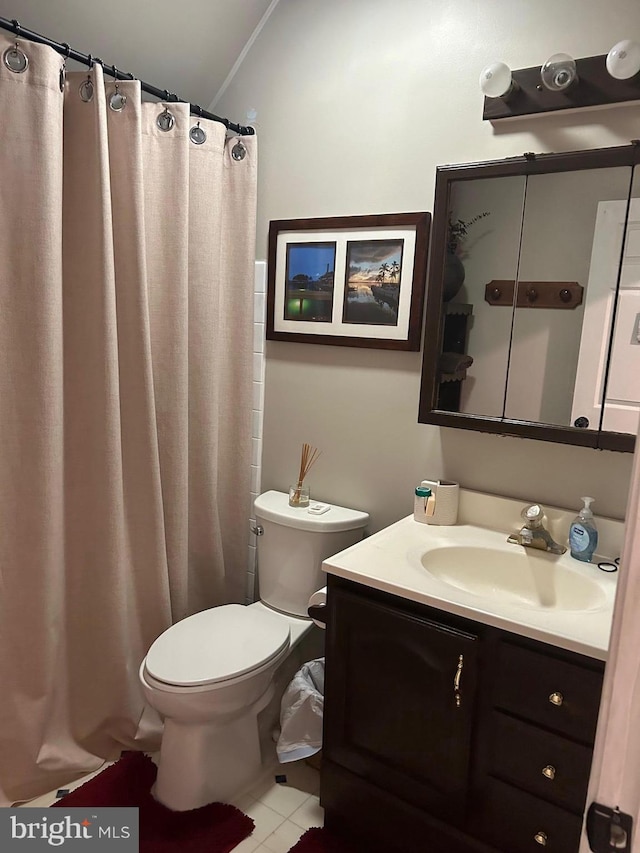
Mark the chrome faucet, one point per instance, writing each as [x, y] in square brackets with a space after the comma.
[533, 534]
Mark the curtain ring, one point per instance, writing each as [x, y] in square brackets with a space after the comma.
[63, 69]
[86, 89]
[115, 73]
[197, 134]
[165, 120]
[16, 27]
[15, 59]
[238, 152]
[117, 101]
[90, 59]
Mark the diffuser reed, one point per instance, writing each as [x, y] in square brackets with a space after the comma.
[298, 493]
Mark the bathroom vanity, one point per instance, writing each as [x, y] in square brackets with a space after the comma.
[456, 720]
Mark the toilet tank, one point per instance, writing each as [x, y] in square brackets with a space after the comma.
[293, 545]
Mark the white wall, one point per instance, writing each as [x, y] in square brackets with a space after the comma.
[357, 103]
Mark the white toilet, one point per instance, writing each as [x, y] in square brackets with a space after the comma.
[211, 674]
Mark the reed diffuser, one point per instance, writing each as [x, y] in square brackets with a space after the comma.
[299, 492]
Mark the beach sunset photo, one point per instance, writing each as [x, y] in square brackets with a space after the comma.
[374, 270]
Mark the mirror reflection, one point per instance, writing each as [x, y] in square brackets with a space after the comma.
[622, 398]
[491, 211]
[566, 237]
[531, 302]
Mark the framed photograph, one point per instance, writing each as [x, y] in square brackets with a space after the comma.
[353, 281]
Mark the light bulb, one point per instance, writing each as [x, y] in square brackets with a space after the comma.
[559, 72]
[495, 80]
[623, 60]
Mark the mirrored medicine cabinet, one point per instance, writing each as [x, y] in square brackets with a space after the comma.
[533, 298]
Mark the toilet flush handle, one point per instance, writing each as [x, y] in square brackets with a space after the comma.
[258, 529]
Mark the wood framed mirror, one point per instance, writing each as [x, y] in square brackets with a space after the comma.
[533, 298]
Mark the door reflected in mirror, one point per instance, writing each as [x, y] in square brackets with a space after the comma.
[622, 399]
[566, 237]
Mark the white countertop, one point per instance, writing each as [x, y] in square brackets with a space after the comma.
[391, 561]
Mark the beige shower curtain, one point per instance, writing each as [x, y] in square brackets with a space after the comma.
[126, 312]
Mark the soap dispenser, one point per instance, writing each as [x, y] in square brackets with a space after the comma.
[583, 534]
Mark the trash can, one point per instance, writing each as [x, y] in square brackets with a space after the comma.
[301, 712]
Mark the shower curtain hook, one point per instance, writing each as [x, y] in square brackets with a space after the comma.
[63, 68]
[117, 102]
[197, 134]
[14, 58]
[115, 73]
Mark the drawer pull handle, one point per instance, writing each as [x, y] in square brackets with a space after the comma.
[556, 699]
[541, 838]
[456, 681]
[549, 771]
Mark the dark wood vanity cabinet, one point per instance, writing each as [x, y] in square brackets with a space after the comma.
[416, 749]
[443, 731]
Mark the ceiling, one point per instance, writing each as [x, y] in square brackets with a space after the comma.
[188, 47]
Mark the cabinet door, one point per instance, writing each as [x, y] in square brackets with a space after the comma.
[399, 705]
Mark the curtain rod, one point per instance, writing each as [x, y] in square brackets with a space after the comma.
[14, 26]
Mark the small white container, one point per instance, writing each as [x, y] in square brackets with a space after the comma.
[446, 495]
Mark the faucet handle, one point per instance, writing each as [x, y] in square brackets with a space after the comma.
[533, 514]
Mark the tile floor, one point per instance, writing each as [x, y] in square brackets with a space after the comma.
[281, 811]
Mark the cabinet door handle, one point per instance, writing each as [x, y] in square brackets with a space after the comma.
[556, 699]
[456, 681]
[541, 838]
[549, 772]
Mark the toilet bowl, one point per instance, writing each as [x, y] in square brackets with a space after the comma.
[211, 674]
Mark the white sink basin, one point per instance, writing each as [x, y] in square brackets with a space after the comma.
[521, 577]
[472, 571]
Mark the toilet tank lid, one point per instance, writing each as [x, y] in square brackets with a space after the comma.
[274, 506]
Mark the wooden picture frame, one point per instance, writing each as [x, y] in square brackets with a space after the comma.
[355, 281]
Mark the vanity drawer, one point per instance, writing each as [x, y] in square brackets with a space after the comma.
[562, 696]
[542, 763]
[516, 822]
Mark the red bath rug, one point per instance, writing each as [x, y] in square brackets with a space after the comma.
[216, 828]
[320, 840]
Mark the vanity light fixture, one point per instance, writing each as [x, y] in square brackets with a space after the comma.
[562, 83]
[623, 60]
[559, 72]
[496, 80]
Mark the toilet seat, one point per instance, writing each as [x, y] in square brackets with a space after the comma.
[216, 645]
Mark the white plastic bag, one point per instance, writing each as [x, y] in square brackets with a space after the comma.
[301, 714]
